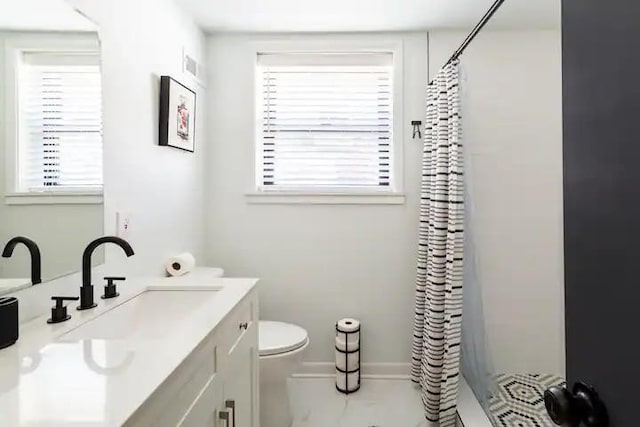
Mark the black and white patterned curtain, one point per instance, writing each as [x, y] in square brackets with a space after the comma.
[438, 311]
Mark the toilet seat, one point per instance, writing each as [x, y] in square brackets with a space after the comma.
[279, 337]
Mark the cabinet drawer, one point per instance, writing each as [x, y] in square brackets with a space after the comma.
[241, 320]
[168, 404]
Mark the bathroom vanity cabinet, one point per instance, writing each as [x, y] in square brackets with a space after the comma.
[168, 352]
[217, 384]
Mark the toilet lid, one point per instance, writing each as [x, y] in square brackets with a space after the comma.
[280, 337]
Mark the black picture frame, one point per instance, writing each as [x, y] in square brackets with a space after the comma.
[177, 115]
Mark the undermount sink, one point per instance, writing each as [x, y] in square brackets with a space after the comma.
[13, 283]
[149, 315]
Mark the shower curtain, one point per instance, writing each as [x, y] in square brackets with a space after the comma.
[438, 306]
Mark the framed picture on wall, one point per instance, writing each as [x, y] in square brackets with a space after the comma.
[177, 114]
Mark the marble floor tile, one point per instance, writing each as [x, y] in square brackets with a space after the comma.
[378, 403]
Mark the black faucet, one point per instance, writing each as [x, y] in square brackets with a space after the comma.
[86, 291]
[34, 250]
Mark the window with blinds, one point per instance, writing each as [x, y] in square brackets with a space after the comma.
[59, 122]
[326, 122]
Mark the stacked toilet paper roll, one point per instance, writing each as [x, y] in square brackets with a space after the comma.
[347, 355]
[180, 264]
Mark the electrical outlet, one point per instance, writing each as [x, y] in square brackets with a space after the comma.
[123, 224]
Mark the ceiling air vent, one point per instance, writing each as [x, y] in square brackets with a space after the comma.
[193, 68]
[191, 65]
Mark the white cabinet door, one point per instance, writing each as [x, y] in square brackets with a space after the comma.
[206, 409]
[240, 379]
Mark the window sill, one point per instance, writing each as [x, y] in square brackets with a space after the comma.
[309, 198]
[68, 198]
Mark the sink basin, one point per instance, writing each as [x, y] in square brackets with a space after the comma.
[13, 284]
[153, 314]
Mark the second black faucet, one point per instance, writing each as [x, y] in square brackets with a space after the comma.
[86, 291]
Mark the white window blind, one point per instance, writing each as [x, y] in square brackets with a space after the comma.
[60, 122]
[326, 121]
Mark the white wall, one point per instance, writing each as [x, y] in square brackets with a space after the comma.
[61, 231]
[513, 129]
[317, 263]
[159, 187]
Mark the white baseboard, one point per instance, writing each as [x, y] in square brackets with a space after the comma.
[390, 371]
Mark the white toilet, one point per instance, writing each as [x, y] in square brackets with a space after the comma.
[281, 346]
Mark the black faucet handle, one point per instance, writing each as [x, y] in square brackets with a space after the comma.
[60, 300]
[59, 312]
[110, 290]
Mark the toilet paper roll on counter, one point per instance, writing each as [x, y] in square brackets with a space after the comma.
[180, 264]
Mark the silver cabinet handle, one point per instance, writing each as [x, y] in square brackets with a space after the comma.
[231, 405]
[224, 415]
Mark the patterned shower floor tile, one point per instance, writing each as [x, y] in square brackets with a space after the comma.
[518, 400]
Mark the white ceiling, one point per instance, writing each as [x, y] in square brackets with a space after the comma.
[366, 15]
[41, 15]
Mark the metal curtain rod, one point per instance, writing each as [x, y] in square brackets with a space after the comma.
[472, 35]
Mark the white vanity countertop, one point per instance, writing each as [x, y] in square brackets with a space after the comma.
[47, 380]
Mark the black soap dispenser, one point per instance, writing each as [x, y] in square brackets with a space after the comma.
[9, 321]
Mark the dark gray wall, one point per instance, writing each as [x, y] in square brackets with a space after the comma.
[601, 101]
